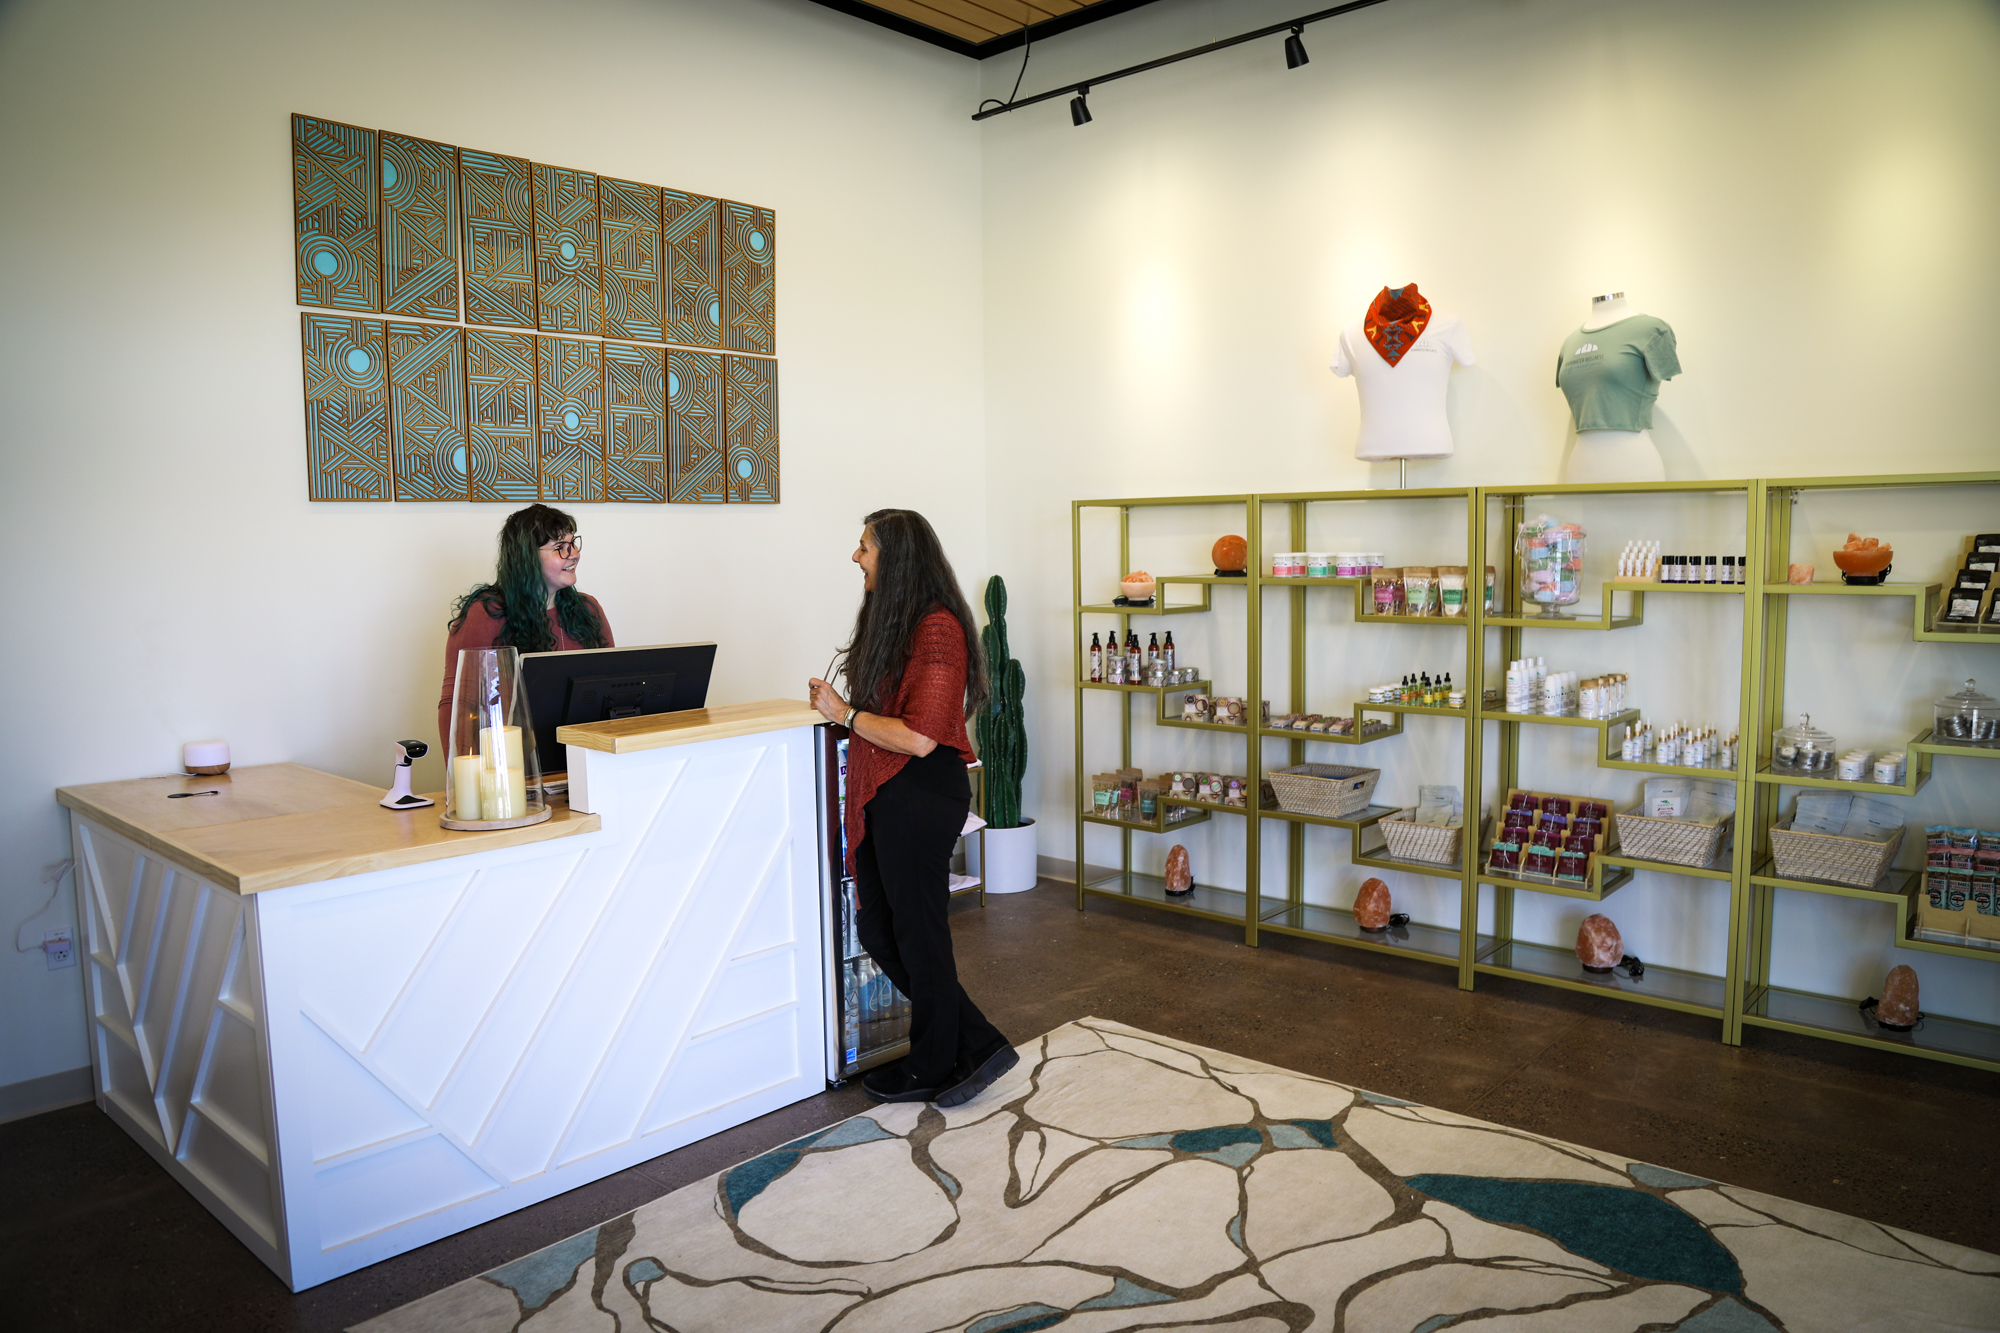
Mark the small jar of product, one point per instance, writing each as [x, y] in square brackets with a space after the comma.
[1348, 565]
[1856, 766]
[1319, 564]
[1288, 565]
[1888, 768]
[1966, 718]
[1803, 748]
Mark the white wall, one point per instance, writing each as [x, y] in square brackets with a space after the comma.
[1805, 190]
[173, 582]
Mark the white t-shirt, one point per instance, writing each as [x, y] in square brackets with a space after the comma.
[1402, 406]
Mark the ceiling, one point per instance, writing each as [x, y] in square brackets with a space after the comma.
[980, 28]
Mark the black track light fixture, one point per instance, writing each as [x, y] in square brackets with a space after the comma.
[1079, 110]
[1295, 48]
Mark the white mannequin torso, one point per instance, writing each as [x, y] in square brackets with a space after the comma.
[1403, 406]
[1613, 455]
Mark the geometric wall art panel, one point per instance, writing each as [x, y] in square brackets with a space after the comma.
[427, 411]
[500, 417]
[347, 408]
[691, 233]
[696, 461]
[499, 239]
[419, 228]
[749, 278]
[629, 225]
[635, 422]
[569, 395]
[750, 408]
[568, 298]
[335, 206]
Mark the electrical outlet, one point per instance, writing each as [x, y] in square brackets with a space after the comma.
[59, 947]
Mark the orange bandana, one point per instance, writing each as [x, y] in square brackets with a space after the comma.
[1395, 321]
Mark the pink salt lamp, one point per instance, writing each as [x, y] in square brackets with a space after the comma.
[1137, 586]
[1863, 557]
[1180, 874]
[1371, 906]
[1231, 554]
[1799, 574]
[1898, 1007]
[1598, 947]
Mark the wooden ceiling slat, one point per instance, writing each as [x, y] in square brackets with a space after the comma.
[978, 27]
[933, 18]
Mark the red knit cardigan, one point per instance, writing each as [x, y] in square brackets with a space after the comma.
[930, 700]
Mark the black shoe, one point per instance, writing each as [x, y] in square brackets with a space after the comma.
[986, 1071]
[892, 1083]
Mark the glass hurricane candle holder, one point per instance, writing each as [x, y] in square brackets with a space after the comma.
[1551, 556]
[493, 779]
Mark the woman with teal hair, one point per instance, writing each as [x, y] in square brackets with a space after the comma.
[532, 603]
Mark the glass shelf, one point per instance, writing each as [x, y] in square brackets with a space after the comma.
[1382, 860]
[1604, 886]
[1892, 887]
[1214, 904]
[1723, 867]
[1670, 988]
[1359, 820]
[1956, 1040]
[1336, 925]
[1142, 826]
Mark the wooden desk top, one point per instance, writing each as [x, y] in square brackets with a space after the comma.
[278, 824]
[630, 734]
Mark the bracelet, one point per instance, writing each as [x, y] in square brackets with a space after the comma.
[848, 721]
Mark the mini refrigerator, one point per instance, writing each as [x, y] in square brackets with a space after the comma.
[867, 1018]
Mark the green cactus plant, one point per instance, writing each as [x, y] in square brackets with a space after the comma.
[1002, 730]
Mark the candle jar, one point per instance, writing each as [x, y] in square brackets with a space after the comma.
[493, 779]
[1966, 718]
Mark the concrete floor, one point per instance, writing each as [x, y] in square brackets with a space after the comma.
[94, 1236]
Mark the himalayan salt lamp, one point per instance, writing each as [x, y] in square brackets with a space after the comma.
[1598, 947]
[1897, 1010]
[1864, 557]
[1371, 906]
[1231, 555]
[1799, 574]
[1180, 875]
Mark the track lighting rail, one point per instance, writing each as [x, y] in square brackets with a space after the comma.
[1083, 86]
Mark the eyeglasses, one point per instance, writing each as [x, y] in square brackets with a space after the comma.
[568, 546]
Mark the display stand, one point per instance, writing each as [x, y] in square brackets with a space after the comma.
[1738, 992]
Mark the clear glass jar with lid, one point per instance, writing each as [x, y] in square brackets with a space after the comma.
[1966, 718]
[1803, 748]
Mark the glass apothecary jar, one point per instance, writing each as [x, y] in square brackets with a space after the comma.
[493, 779]
[1803, 748]
[1966, 718]
[1551, 556]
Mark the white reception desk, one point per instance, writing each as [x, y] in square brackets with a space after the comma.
[350, 1032]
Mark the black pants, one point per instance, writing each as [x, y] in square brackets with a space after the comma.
[901, 875]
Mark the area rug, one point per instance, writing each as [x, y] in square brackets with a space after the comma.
[1121, 1180]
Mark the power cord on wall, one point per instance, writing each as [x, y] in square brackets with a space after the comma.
[1027, 49]
[53, 877]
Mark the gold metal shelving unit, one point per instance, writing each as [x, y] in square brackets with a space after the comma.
[1741, 994]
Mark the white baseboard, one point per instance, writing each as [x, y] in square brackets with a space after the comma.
[50, 1092]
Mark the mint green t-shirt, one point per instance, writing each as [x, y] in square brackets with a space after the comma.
[1612, 375]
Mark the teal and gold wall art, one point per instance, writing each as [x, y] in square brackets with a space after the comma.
[419, 228]
[427, 411]
[552, 334]
[347, 408]
[499, 239]
[336, 215]
[750, 407]
[566, 246]
[635, 423]
[749, 278]
[695, 458]
[569, 411]
[500, 416]
[628, 222]
[691, 232]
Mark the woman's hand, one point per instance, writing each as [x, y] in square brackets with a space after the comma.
[826, 699]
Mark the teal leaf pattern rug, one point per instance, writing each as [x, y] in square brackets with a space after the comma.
[1121, 1180]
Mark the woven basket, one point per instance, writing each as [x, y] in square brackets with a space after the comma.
[1411, 841]
[1331, 791]
[1852, 861]
[1680, 842]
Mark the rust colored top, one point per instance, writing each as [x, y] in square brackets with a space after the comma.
[930, 700]
[482, 629]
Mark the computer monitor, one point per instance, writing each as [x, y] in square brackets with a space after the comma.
[597, 684]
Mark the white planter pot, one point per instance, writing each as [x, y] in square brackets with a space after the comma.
[1010, 859]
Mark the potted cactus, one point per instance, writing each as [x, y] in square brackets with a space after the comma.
[1009, 858]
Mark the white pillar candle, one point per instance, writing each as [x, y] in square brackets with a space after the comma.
[463, 799]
